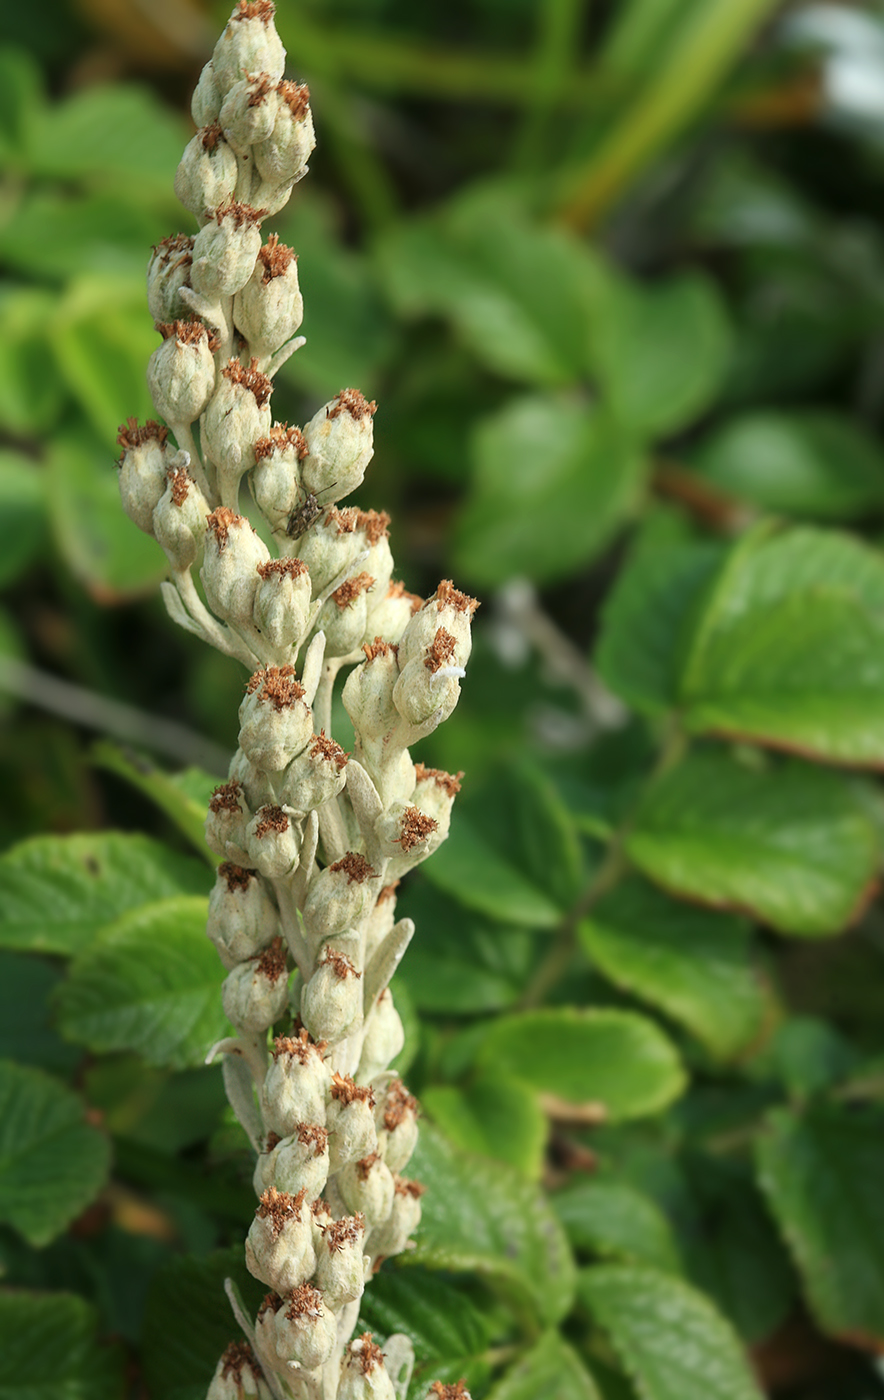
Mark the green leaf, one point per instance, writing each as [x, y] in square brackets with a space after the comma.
[51, 1351]
[810, 1055]
[460, 963]
[616, 1059]
[26, 984]
[57, 891]
[102, 234]
[485, 1218]
[617, 1222]
[821, 1172]
[159, 1109]
[647, 620]
[551, 1369]
[188, 1322]
[494, 1116]
[471, 869]
[52, 1163]
[184, 797]
[791, 844]
[802, 462]
[788, 648]
[554, 481]
[117, 130]
[23, 512]
[31, 390]
[448, 1332]
[150, 983]
[101, 546]
[692, 964]
[670, 1339]
[661, 352]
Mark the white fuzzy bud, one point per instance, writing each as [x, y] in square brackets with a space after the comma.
[205, 105]
[391, 614]
[181, 371]
[368, 692]
[295, 1163]
[237, 418]
[206, 176]
[167, 272]
[364, 1376]
[384, 1038]
[272, 842]
[332, 545]
[243, 920]
[238, 1376]
[269, 308]
[279, 1246]
[225, 249]
[142, 478]
[281, 157]
[315, 776]
[453, 612]
[344, 616]
[282, 603]
[275, 722]
[302, 1330]
[295, 1088]
[366, 1188]
[254, 993]
[179, 520]
[380, 565]
[256, 787]
[331, 1002]
[396, 1119]
[337, 897]
[428, 690]
[276, 476]
[339, 439]
[230, 568]
[404, 831]
[434, 793]
[350, 1122]
[227, 818]
[340, 1261]
[246, 115]
[249, 44]
[393, 1234]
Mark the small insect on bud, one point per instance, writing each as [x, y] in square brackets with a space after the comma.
[296, 1085]
[338, 897]
[340, 1262]
[142, 467]
[181, 371]
[238, 1376]
[276, 476]
[316, 775]
[396, 1118]
[179, 520]
[279, 1246]
[384, 1038]
[331, 1002]
[364, 1376]
[295, 1163]
[343, 617]
[392, 1235]
[206, 177]
[243, 920]
[350, 1122]
[237, 418]
[339, 438]
[305, 1328]
[272, 842]
[225, 249]
[254, 994]
[249, 44]
[366, 1187]
[230, 568]
[282, 156]
[167, 272]
[270, 308]
[276, 723]
[282, 603]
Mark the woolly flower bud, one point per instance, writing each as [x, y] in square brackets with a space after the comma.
[275, 477]
[230, 568]
[333, 544]
[270, 308]
[276, 724]
[368, 691]
[142, 477]
[380, 565]
[179, 520]
[298, 1327]
[434, 793]
[167, 272]
[331, 1002]
[242, 917]
[453, 612]
[391, 614]
[249, 44]
[254, 994]
[225, 249]
[238, 1376]
[246, 116]
[296, 1085]
[316, 775]
[393, 1234]
[344, 616]
[366, 1186]
[384, 1038]
[427, 689]
[339, 439]
[236, 419]
[181, 371]
[295, 1163]
[272, 842]
[350, 1122]
[404, 830]
[282, 603]
[206, 176]
[338, 897]
[226, 818]
[340, 1263]
[396, 1118]
[282, 156]
[279, 1246]
[205, 104]
[364, 1376]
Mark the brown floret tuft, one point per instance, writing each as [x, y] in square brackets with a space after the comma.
[278, 684]
[415, 826]
[441, 651]
[374, 524]
[271, 1303]
[450, 1392]
[341, 965]
[187, 333]
[398, 1105]
[238, 1357]
[450, 783]
[130, 435]
[346, 1092]
[369, 1356]
[181, 481]
[210, 135]
[273, 818]
[273, 962]
[323, 747]
[296, 96]
[315, 1136]
[354, 866]
[351, 588]
[278, 439]
[252, 379]
[279, 1208]
[221, 522]
[237, 878]
[304, 1301]
[283, 568]
[379, 648]
[276, 258]
[254, 9]
[300, 1047]
[226, 797]
[398, 590]
[365, 1164]
[403, 1187]
[344, 1231]
[447, 595]
[354, 403]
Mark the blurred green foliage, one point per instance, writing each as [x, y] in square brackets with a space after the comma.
[614, 273]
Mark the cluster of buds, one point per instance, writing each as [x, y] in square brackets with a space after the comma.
[313, 841]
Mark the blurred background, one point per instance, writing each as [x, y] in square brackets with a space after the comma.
[614, 272]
